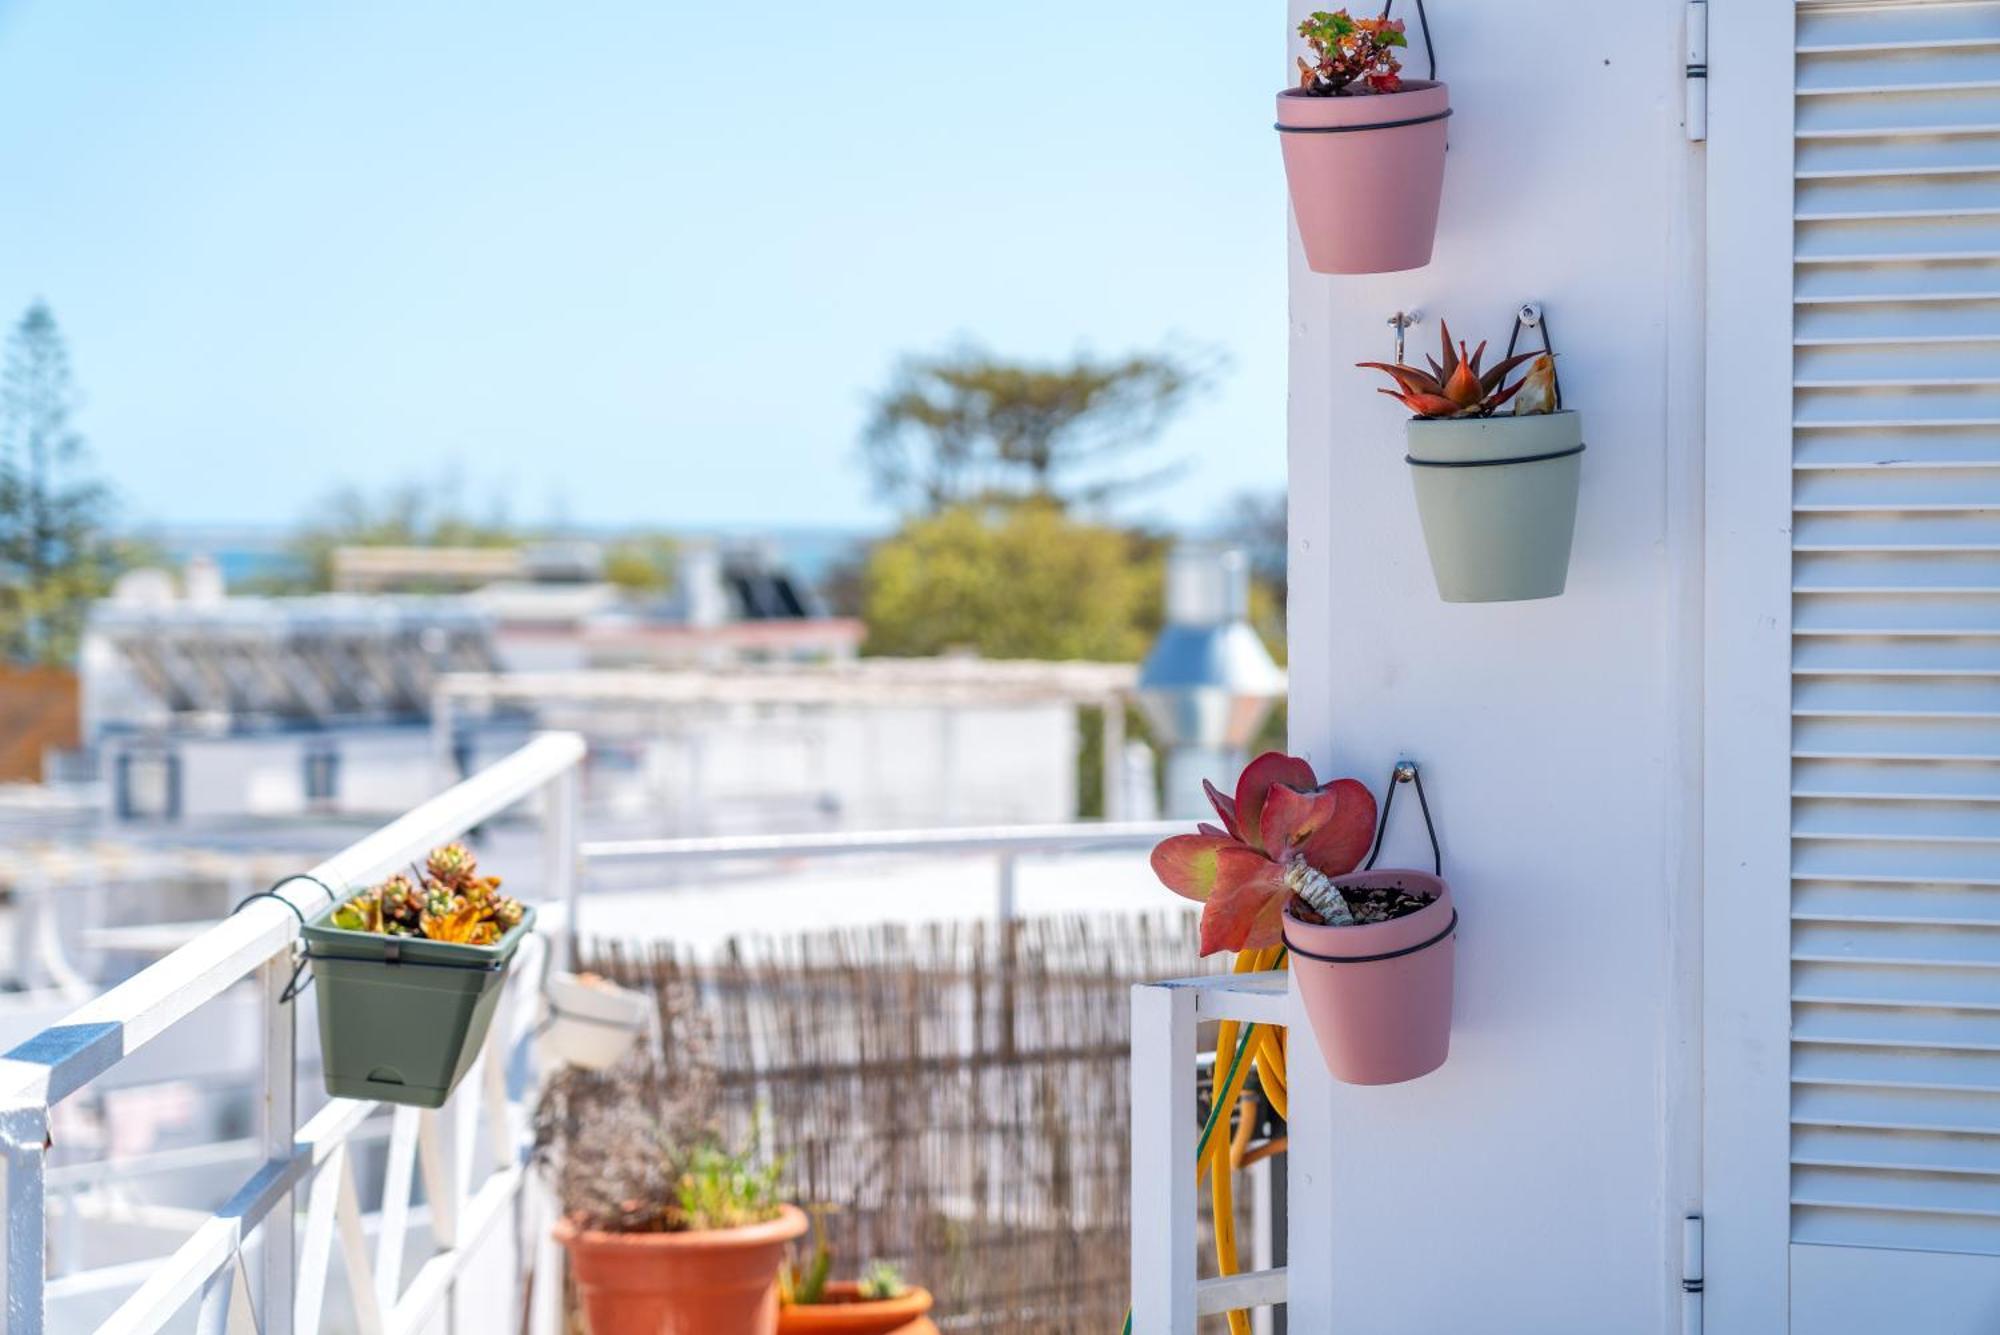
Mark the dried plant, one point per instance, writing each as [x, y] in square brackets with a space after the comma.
[638, 1148]
[1347, 51]
[448, 901]
[1456, 387]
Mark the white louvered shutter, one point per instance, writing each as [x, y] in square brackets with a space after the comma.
[1895, 1053]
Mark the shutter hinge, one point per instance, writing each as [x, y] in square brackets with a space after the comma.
[1696, 116]
[1692, 1283]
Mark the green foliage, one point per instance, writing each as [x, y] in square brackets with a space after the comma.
[881, 1282]
[413, 514]
[1023, 581]
[54, 556]
[798, 1288]
[969, 427]
[721, 1188]
[642, 565]
[1346, 49]
[449, 901]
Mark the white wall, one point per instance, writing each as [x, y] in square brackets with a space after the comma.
[1536, 1182]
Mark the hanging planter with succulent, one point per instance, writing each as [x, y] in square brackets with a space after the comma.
[408, 974]
[1364, 147]
[1496, 491]
[1372, 950]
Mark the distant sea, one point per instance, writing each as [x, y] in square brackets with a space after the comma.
[248, 553]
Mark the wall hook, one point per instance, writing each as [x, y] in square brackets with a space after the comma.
[1402, 320]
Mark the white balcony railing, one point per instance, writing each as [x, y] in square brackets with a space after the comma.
[1167, 1296]
[244, 1268]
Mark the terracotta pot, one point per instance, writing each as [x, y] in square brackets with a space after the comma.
[1366, 173]
[845, 1312]
[718, 1282]
[1379, 995]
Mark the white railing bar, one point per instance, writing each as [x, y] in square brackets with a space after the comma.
[316, 1249]
[1256, 998]
[433, 1281]
[399, 1170]
[361, 1285]
[977, 839]
[96, 1036]
[1230, 1293]
[1163, 1177]
[279, 1132]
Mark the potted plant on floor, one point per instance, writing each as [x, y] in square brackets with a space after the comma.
[1371, 950]
[669, 1230]
[1496, 492]
[1364, 147]
[879, 1303]
[408, 974]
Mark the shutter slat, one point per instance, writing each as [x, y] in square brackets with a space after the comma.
[1895, 780]
[1908, 157]
[1952, 111]
[1830, 1147]
[1905, 27]
[1861, 1025]
[1913, 739]
[1839, 365]
[1916, 281]
[1876, 1189]
[1885, 943]
[1909, 862]
[1897, 321]
[1895, 1109]
[1863, 531]
[1907, 1232]
[1895, 985]
[1910, 409]
[1932, 194]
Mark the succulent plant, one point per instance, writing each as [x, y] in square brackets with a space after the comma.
[1455, 386]
[1347, 49]
[881, 1282]
[451, 902]
[1283, 833]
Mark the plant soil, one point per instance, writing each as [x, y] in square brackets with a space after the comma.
[1368, 904]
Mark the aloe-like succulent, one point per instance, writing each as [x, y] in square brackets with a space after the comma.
[1454, 386]
[1284, 833]
[1347, 51]
[881, 1282]
[453, 902]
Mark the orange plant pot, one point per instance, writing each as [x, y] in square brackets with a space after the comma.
[717, 1282]
[846, 1312]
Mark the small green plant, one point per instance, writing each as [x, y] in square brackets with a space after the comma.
[797, 1288]
[881, 1282]
[1347, 51]
[447, 900]
[721, 1188]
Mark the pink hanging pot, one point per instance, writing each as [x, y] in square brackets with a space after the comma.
[1378, 995]
[1366, 172]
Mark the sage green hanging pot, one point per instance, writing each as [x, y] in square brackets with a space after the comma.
[401, 1018]
[1497, 497]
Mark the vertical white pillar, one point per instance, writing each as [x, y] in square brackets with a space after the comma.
[23, 1138]
[278, 1130]
[559, 855]
[1163, 1177]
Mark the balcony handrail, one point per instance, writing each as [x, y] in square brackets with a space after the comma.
[1076, 837]
[258, 940]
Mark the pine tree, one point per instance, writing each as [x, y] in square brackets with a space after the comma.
[54, 557]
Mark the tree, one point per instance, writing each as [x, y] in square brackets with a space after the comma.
[413, 514]
[54, 555]
[1018, 581]
[971, 428]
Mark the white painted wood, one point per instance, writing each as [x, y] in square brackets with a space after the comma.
[1228, 1293]
[1845, 1289]
[316, 1247]
[1163, 1173]
[399, 1172]
[275, 1239]
[23, 1133]
[361, 1288]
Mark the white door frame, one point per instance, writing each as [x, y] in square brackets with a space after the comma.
[1746, 990]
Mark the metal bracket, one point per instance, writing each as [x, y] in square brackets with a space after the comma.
[1696, 117]
[1692, 1283]
[1403, 320]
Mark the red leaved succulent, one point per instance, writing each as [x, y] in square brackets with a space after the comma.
[1284, 833]
[1455, 387]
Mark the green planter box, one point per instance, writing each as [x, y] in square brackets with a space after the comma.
[401, 1018]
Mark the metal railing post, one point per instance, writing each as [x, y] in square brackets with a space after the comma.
[24, 1134]
[276, 1244]
[559, 857]
[1007, 904]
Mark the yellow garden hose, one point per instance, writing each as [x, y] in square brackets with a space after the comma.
[1264, 1046]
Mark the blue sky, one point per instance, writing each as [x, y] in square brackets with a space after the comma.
[623, 263]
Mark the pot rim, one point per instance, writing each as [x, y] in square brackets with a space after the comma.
[914, 1300]
[1409, 86]
[790, 1223]
[1375, 937]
